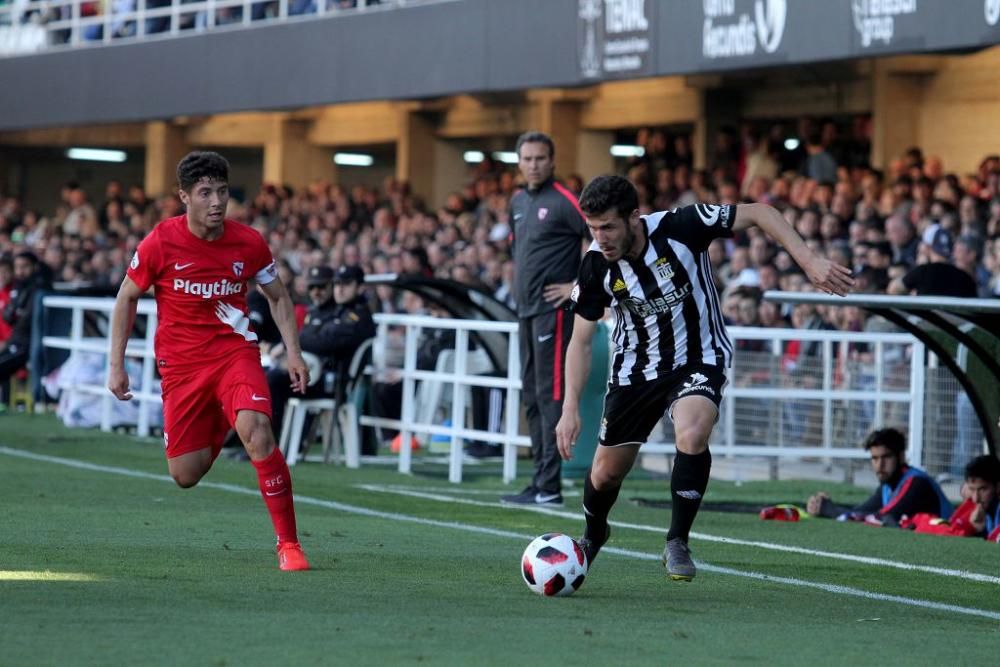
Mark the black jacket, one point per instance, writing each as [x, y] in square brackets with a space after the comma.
[263, 322]
[548, 233]
[940, 279]
[334, 331]
[18, 313]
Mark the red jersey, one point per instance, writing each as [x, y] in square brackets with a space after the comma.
[201, 288]
[5, 329]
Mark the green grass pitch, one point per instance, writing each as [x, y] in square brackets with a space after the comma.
[103, 561]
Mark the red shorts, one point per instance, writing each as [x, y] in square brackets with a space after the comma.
[200, 405]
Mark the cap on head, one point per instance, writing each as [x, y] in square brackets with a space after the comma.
[319, 275]
[938, 239]
[349, 274]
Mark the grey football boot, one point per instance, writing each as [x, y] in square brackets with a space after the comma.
[677, 560]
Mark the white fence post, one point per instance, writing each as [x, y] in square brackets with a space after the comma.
[879, 378]
[512, 412]
[106, 405]
[458, 391]
[917, 379]
[148, 366]
[409, 406]
[827, 403]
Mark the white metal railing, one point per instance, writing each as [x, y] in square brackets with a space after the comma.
[725, 442]
[832, 347]
[28, 26]
[461, 380]
[907, 391]
[141, 348]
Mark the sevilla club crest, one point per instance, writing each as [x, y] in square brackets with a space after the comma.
[542, 212]
[238, 269]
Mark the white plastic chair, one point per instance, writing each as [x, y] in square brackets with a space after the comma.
[293, 425]
[431, 396]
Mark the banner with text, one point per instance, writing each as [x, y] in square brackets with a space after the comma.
[614, 39]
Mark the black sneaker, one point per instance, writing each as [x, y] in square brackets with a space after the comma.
[532, 496]
[592, 547]
[479, 450]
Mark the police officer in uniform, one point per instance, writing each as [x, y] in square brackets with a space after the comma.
[338, 321]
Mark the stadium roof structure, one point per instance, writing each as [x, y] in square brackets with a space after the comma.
[419, 50]
[972, 324]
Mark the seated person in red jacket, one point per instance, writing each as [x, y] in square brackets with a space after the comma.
[903, 489]
[6, 288]
[982, 486]
[979, 513]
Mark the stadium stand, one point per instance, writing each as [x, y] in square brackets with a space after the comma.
[846, 167]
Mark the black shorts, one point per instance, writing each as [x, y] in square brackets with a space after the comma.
[632, 411]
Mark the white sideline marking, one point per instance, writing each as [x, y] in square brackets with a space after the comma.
[364, 511]
[495, 493]
[829, 588]
[867, 560]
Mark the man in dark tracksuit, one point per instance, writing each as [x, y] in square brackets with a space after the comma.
[549, 232]
[336, 325]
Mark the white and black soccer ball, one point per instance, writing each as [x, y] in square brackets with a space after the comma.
[554, 564]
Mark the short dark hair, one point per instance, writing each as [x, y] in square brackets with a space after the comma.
[28, 256]
[891, 438]
[197, 165]
[535, 137]
[985, 467]
[884, 248]
[607, 192]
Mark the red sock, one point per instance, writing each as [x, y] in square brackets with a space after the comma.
[276, 488]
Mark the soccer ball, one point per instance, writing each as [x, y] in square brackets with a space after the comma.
[553, 564]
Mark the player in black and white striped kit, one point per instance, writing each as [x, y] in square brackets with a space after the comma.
[671, 346]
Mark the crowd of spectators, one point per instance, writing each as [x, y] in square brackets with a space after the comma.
[119, 16]
[863, 218]
[881, 224]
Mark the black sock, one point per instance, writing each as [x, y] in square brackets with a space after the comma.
[688, 482]
[596, 506]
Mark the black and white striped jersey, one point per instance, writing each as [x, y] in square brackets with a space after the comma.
[667, 310]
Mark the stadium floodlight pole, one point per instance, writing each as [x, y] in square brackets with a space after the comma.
[912, 314]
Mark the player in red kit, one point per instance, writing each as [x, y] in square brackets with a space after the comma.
[198, 265]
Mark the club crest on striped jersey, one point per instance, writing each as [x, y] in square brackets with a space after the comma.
[663, 268]
[542, 212]
[238, 269]
[711, 214]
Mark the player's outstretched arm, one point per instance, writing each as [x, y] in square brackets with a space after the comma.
[283, 312]
[577, 371]
[122, 319]
[828, 276]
